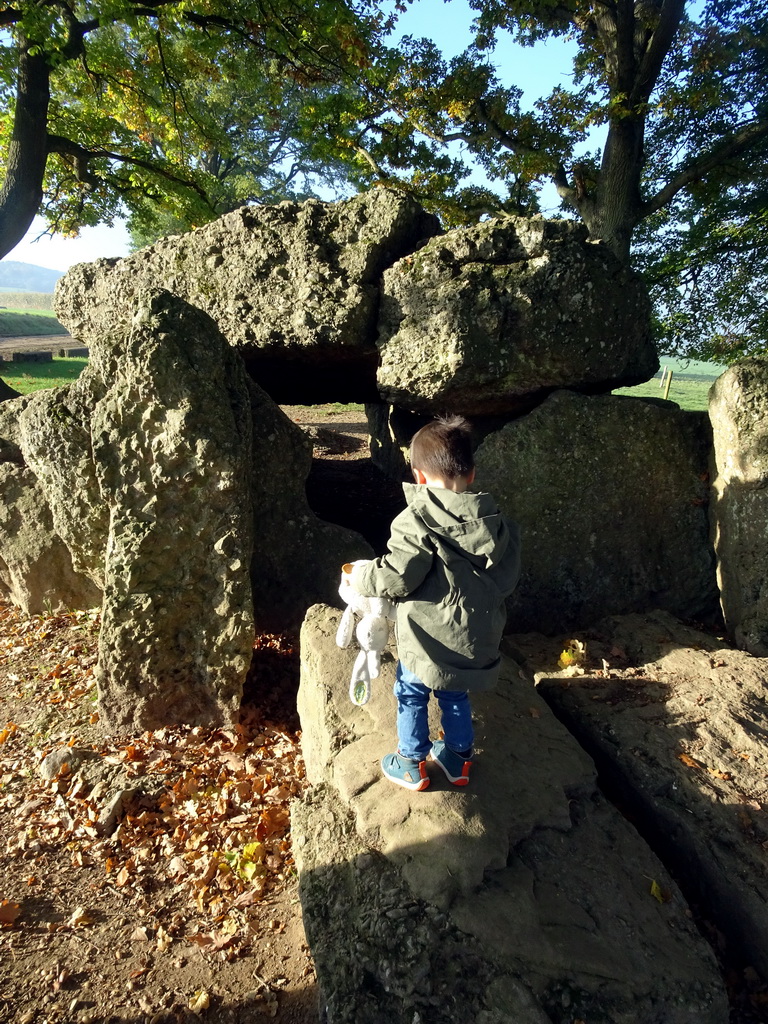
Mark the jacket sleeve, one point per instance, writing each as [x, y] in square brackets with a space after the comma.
[405, 564]
[509, 569]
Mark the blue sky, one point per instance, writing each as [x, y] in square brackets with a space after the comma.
[536, 70]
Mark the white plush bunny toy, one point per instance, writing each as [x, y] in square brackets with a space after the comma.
[372, 633]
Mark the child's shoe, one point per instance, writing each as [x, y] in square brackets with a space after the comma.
[455, 766]
[405, 772]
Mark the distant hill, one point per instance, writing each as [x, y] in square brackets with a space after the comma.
[26, 277]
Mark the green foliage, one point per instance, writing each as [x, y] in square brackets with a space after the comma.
[178, 111]
[705, 254]
[28, 377]
[18, 323]
[189, 107]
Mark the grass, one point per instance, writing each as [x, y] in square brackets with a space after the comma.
[332, 407]
[691, 381]
[28, 377]
[19, 323]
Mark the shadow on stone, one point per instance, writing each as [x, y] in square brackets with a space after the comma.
[537, 891]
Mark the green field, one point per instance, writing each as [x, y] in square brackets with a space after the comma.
[689, 388]
[28, 377]
[37, 302]
[20, 323]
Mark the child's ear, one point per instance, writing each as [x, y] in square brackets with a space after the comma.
[471, 477]
[419, 477]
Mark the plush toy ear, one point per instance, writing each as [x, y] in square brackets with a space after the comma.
[346, 629]
[374, 664]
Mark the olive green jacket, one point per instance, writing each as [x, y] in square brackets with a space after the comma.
[452, 560]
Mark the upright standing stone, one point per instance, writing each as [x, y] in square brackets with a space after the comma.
[738, 409]
[172, 447]
[55, 430]
[36, 571]
[611, 494]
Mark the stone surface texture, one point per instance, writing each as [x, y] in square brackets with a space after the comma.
[495, 904]
[172, 451]
[296, 556]
[36, 571]
[56, 437]
[677, 722]
[738, 409]
[293, 287]
[484, 316]
[610, 494]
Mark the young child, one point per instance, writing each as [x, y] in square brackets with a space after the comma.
[451, 562]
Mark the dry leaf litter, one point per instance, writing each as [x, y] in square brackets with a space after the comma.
[146, 878]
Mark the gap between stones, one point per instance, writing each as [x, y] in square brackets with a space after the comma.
[618, 791]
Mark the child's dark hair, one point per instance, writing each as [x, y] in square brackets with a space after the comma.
[443, 448]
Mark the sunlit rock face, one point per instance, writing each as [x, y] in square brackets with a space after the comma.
[738, 409]
[483, 317]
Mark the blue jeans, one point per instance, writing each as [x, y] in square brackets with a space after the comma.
[412, 716]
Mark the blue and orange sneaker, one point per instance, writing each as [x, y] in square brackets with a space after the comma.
[455, 766]
[405, 772]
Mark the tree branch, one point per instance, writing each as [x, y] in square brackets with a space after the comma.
[656, 50]
[737, 144]
[378, 170]
[82, 157]
[564, 189]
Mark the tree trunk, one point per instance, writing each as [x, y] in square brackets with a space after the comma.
[611, 208]
[22, 191]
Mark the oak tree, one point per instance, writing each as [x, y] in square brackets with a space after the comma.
[110, 102]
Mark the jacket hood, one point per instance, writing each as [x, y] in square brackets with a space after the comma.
[469, 522]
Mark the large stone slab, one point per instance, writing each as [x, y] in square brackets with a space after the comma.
[36, 570]
[172, 453]
[738, 409]
[677, 724]
[484, 317]
[524, 899]
[293, 287]
[611, 496]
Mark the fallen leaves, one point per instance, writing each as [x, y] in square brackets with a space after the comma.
[691, 762]
[207, 818]
[9, 911]
[659, 894]
[572, 659]
[80, 918]
[10, 730]
[199, 1001]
